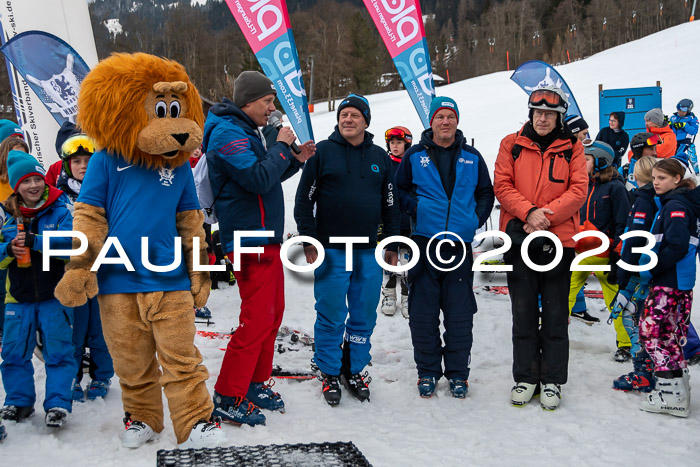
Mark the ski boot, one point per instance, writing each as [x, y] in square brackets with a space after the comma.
[3, 433]
[640, 379]
[426, 386]
[98, 388]
[202, 313]
[56, 417]
[669, 397]
[137, 433]
[263, 396]
[331, 389]
[15, 413]
[522, 393]
[237, 410]
[205, 434]
[404, 298]
[550, 396]
[389, 296]
[459, 388]
[622, 355]
[78, 393]
[358, 385]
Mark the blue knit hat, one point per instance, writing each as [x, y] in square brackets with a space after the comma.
[442, 102]
[21, 165]
[359, 102]
[9, 128]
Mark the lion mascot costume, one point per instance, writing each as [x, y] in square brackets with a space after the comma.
[146, 118]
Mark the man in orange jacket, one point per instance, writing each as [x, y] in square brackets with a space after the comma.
[656, 123]
[541, 182]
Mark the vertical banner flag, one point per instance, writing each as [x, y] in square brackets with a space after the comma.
[265, 25]
[400, 24]
[534, 74]
[68, 20]
[51, 68]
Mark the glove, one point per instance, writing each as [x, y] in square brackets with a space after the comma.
[677, 125]
[612, 275]
[621, 301]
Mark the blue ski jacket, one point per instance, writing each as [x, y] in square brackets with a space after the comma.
[246, 179]
[676, 231]
[640, 217]
[352, 188]
[685, 134]
[455, 197]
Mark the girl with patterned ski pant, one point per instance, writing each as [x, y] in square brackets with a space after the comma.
[664, 324]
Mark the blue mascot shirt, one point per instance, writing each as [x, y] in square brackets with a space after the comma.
[140, 202]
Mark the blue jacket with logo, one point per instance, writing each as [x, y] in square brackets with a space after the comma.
[460, 204]
[352, 188]
[641, 217]
[685, 135]
[245, 178]
[676, 232]
[33, 284]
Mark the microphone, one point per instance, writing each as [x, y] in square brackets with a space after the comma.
[275, 119]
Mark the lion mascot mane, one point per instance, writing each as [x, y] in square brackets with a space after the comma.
[146, 118]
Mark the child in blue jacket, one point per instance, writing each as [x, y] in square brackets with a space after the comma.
[629, 301]
[30, 301]
[684, 124]
[75, 151]
[664, 325]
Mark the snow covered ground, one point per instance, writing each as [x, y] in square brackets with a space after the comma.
[594, 425]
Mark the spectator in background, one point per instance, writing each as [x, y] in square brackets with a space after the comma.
[685, 125]
[643, 144]
[578, 127]
[615, 136]
[656, 123]
[9, 128]
[12, 143]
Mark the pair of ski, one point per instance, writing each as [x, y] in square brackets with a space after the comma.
[288, 340]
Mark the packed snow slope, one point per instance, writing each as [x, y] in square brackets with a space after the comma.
[594, 424]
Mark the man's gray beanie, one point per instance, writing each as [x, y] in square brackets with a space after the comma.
[251, 86]
[655, 116]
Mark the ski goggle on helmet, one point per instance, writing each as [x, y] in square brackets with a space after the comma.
[685, 105]
[77, 145]
[398, 132]
[548, 98]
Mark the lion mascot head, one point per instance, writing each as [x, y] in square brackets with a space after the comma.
[144, 108]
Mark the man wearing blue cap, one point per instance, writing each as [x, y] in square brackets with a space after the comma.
[346, 190]
[444, 185]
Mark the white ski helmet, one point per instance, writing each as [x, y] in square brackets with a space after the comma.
[548, 98]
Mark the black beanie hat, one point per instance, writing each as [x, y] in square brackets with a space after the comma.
[357, 101]
[576, 123]
[251, 86]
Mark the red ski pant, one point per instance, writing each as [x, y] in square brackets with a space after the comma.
[249, 353]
